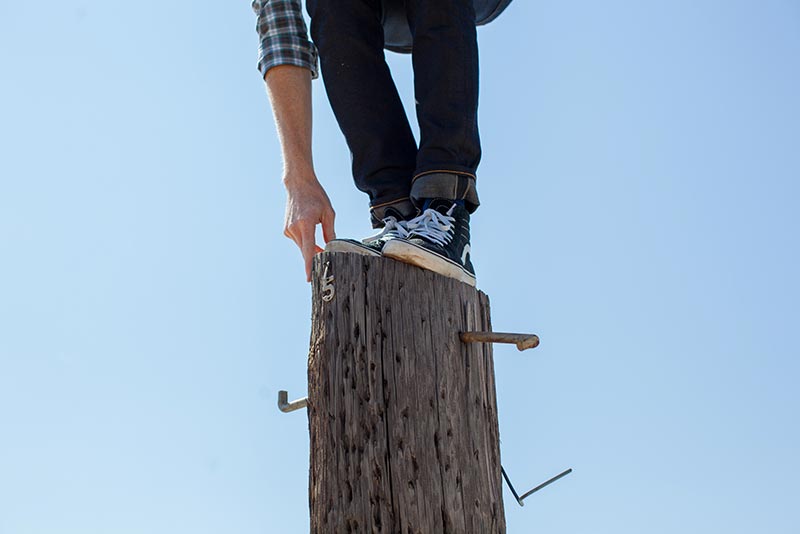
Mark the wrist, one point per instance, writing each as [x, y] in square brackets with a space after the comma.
[295, 176]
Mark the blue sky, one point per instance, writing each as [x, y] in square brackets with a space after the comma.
[639, 189]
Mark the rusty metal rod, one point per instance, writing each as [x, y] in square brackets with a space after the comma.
[522, 341]
[285, 406]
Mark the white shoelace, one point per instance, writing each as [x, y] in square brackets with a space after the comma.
[392, 229]
[433, 226]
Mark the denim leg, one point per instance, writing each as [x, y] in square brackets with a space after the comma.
[445, 59]
[364, 99]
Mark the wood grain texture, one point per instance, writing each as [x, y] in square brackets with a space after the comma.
[402, 414]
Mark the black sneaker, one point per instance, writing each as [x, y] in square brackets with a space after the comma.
[437, 240]
[393, 228]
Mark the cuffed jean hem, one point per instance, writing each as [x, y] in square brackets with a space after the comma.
[403, 205]
[452, 185]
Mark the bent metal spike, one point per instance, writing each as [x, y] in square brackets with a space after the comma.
[285, 406]
[534, 490]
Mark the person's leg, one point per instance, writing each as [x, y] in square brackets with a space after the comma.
[349, 36]
[445, 59]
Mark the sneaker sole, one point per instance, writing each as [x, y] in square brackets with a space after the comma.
[350, 246]
[410, 253]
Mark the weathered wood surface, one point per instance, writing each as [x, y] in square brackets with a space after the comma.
[402, 414]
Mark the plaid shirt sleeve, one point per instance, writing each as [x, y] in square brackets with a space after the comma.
[283, 36]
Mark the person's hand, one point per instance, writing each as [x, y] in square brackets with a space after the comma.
[307, 205]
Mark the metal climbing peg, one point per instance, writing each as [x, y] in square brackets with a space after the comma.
[285, 406]
[522, 341]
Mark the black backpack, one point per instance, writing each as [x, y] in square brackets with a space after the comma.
[397, 34]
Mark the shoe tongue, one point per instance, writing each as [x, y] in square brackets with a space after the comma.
[442, 205]
[394, 212]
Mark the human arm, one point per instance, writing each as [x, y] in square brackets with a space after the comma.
[287, 61]
[307, 204]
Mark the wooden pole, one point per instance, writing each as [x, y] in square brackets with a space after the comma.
[402, 414]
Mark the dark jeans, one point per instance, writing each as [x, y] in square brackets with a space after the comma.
[387, 164]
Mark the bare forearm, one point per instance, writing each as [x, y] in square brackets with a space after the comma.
[289, 90]
[307, 204]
